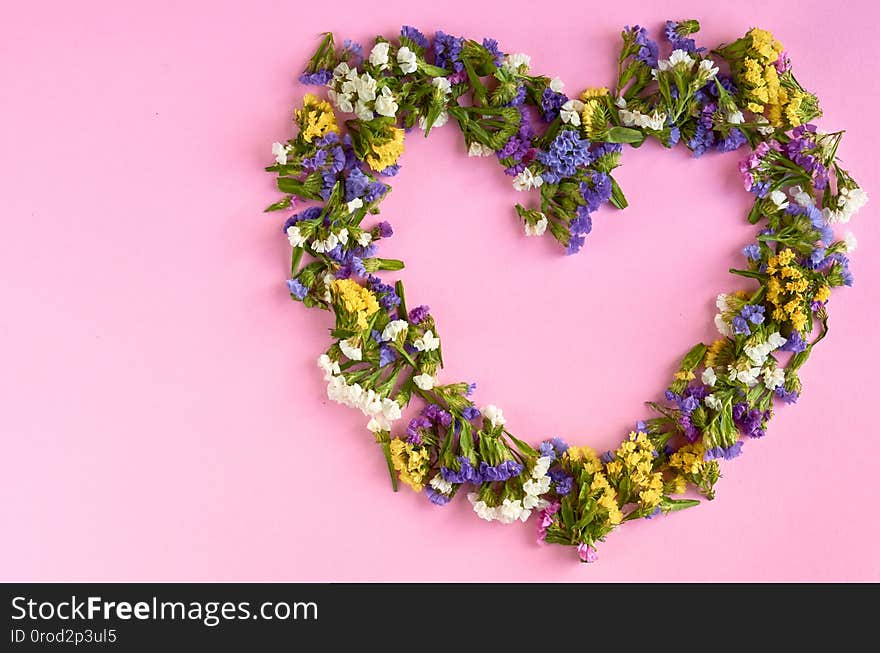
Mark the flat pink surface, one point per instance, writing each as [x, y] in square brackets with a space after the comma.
[162, 417]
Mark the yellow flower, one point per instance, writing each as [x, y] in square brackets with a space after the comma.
[752, 72]
[713, 352]
[650, 498]
[679, 485]
[799, 320]
[410, 463]
[792, 109]
[823, 294]
[598, 483]
[765, 45]
[386, 154]
[685, 375]
[355, 299]
[785, 257]
[594, 92]
[316, 118]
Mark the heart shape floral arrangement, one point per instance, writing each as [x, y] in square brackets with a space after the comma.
[385, 354]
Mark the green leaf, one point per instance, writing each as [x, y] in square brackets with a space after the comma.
[624, 135]
[279, 205]
[617, 197]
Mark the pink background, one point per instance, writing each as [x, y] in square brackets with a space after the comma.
[162, 417]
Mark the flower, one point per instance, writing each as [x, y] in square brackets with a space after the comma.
[393, 329]
[494, 415]
[385, 103]
[570, 113]
[526, 180]
[537, 228]
[427, 342]
[587, 553]
[407, 60]
[712, 401]
[850, 241]
[478, 149]
[379, 55]
[350, 350]
[709, 377]
[279, 151]
[424, 381]
[517, 63]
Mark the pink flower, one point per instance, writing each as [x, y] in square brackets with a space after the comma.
[546, 519]
[587, 553]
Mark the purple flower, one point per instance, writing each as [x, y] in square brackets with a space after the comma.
[749, 421]
[551, 103]
[317, 78]
[297, 289]
[752, 252]
[447, 51]
[607, 457]
[470, 413]
[676, 33]
[437, 415]
[414, 35]
[388, 298]
[419, 314]
[435, 497]
[648, 50]
[492, 46]
[384, 230]
[564, 483]
[787, 396]
[575, 242]
[596, 191]
[565, 155]
[309, 214]
[518, 98]
[560, 445]
[546, 450]
[583, 223]
[386, 355]
[355, 184]
[733, 141]
[391, 170]
[753, 313]
[795, 343]
[467, 473]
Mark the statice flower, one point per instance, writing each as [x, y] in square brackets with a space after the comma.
[492, 46]
[317, 78]
[648, 50]
[565, 155]
[414, 35]
[596, 191]
[677, 35]
[447, 52]
[551, 103]
[297, 289]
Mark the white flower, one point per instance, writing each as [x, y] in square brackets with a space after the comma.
[385, 104]
[441, 484]
[721, 302]
[779, 199]
[341, 71]
[407, 60]
[364, 239]
[483, 510]
[441, 120]
[557, 85]
[343, 101]
[513, 62]
[851, 242]
[509, 511]
[494, 415]
[655, 121]
[375, 425]
[536, 487]
[342, 236]
[379, 55]
[329, 367]
[391, 410]
[351, 351]
[722, 326]
[767, 129]
[538, 228]
[709, 377]
[321, 246]
[801, 197]
[279, 151]
[393, 329]
[427, 342]
[363, 111]
[773, 378]
[442, 84]
[743, 373]
[712, 402]
[424, 381]
[478, 149]
[735, 118]
[526, 180]
[708, 69]
[677, 57]
[542, 464]
[570, 112]
[365, 86]
[776, 340]
[295, 237]
[354, 204]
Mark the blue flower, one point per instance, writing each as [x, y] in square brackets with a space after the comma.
[297, 289]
